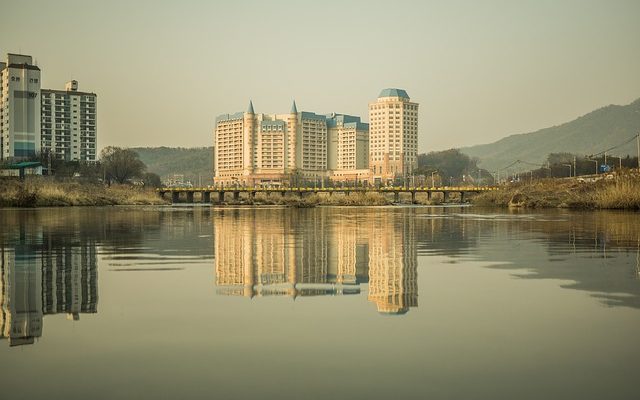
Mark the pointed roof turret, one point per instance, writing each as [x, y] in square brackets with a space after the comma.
[250, 109]
[294, 109]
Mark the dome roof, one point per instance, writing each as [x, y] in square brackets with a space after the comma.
[392, 92]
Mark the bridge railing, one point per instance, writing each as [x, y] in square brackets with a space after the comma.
[332, 189]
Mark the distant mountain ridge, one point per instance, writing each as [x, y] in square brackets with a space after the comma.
[591, 133]
[196, 163]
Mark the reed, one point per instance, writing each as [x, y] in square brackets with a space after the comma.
[617, 192]
[624, 193]
[43, 192]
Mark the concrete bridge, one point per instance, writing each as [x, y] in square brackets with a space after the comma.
[188, 193]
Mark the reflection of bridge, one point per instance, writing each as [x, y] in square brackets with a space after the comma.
[301, 191]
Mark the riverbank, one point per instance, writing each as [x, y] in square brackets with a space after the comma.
[617, 192]
[43, 192]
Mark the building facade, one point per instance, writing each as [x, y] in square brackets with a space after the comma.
[347, 148]
[309, 148]
[19, 107]
[270, 149]
[34, 120]
[69, 125]
[393, 135]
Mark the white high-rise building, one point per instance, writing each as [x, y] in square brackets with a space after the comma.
[35, 120]
[393, 135]
[69, 125]
[19, 107]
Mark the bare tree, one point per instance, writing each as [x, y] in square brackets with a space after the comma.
[120, 164]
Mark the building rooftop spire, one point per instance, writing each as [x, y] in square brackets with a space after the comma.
[294, 109]
[250, 109]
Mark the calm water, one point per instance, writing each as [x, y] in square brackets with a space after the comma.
[181, 302]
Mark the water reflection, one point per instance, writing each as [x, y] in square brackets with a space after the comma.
[276, 252]
[44, 279]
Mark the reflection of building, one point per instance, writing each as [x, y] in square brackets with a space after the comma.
[38, 280]
[69, 281]
[393, 264]
[266, 258]
[260, 252]
[20, 296]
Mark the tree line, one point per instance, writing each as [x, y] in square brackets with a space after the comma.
[115, 165]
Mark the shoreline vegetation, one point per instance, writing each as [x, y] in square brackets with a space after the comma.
[620, 192]
[44, 192]
[586, 193]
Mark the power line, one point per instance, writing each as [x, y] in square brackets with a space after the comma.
[615, 147]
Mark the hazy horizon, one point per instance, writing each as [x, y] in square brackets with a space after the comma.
[163, 71]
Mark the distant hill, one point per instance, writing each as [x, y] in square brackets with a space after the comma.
[589, 134]
[191, 162]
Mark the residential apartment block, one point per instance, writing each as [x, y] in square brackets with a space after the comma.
[19, 107]
[69, 129]
[35, 120]
[289, 149]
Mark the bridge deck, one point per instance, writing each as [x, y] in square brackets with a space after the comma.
[384, 189]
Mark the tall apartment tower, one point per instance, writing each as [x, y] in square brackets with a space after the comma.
[19, 107]
[69, 130]
[393, 135]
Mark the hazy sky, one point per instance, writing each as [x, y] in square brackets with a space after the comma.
[480, 70]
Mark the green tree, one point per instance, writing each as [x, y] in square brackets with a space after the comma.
[121, 165]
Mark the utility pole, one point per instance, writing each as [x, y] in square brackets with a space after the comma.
[574, 167]
[638, 142]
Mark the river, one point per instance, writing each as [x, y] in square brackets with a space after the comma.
[328, 302]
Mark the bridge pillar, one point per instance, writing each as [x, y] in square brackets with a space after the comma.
[189, 197]
[175, 196]
[413, 197]
[236, 195]
[461, 197]
[446, 196]
[252, 196]
[206, 197]
[161, 194]
[429, 195]
[221, 197]
[347, 192]
[300, 193]
[396, 197]
[283, 193]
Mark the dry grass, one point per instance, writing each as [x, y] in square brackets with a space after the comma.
[43, 192]
[622, 192]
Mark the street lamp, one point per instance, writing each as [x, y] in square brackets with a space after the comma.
[432, 180]
[596, 162]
